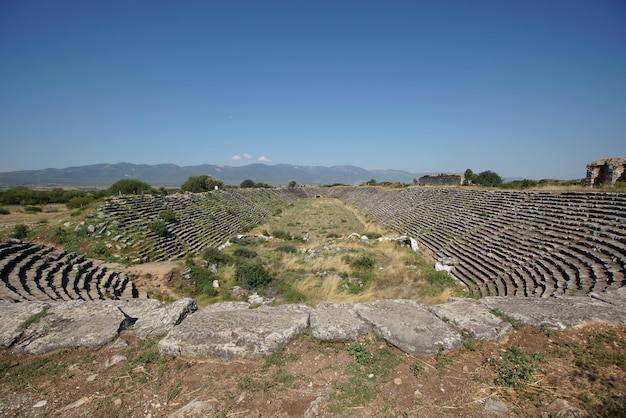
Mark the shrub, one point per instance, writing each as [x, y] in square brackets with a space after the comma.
[129, 186]
[416, 369]
[363, 262]
[199, 184]
[99, 251]
[282, 235]
[168, 216]
[244, 252]
[159, 228]
[202, 279]
[360, 353]
[4, 211]
[78, 202]
[287, 248]
[214, 256]
[32, 209]
[20, 231]
[251, 275]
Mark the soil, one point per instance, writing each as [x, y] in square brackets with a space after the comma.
[323, 379]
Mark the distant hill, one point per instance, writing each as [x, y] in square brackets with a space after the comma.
[172, 175]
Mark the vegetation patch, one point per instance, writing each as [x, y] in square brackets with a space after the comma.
[33, 319]
[369, 368]
[516, 366]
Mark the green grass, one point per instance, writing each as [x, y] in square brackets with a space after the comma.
[517, 366]
[514, 323]
[33, 319]
[20, 376]
[370, 367]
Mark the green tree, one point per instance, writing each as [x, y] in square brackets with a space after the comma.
[469, 176]
[129, 186]
[292, 184]
[202, 183]
[488, 178]
[247, 184]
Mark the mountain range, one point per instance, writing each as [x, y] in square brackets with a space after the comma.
[172, 175]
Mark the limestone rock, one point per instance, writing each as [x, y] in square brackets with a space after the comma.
[495, 407]
[556, 313]
[227, 334]
[409, 326]
[118, 358]
[192, 410]
[336, 322]
[73, 324]
[472, 318]
[615, 297]
[12, 316]
[561, 408]
[151, 318]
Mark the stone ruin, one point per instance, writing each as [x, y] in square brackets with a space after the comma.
[441, 180]
[606, 172]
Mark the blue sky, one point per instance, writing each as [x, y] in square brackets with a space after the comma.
[533, 88]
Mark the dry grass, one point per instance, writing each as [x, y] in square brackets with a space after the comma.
[53, 214]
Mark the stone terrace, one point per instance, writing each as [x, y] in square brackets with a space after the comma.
[34, 272]
[510, 243]
[203, 219]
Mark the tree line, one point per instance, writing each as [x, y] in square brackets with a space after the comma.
[76, 198]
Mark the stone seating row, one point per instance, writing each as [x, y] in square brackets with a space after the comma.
[203, 219]
[507, 242]
[31, 271]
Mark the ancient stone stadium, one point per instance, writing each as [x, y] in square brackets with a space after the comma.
[553, 260]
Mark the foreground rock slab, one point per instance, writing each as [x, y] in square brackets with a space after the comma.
[557, 313]
[73, 324]
[337, 322]
[151, 318]
[14, 316]
[471, 318]
[228, 334]
[409, 326]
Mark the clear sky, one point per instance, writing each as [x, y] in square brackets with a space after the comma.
[532, 88]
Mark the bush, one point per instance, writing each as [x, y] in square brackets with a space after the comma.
[159, 228]
[363, 262]
[168, 216]
[99, 251]
[214, 256]
[4, 211]
[129, 186]
[32, 209]
[287, 248]
[202, 279]
[78, 202]
[282, 235]
[199, 184]
[251, 275]
[20, 231]
[244, 252]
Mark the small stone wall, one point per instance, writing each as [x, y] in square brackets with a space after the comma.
[441, 180]
[606, 172]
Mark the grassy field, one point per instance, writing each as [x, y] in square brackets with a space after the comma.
[317, 254]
